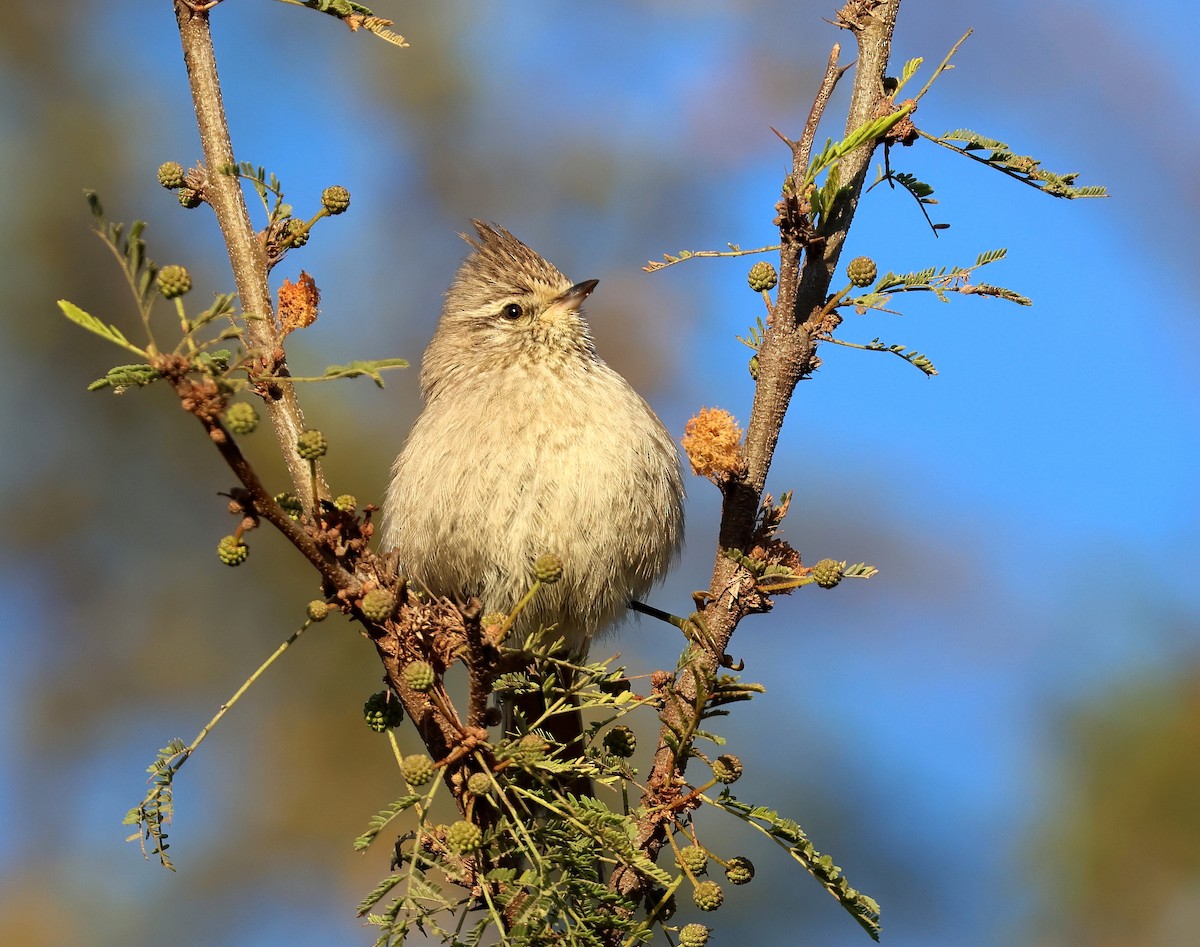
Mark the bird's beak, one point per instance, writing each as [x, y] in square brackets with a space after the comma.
[573, 298]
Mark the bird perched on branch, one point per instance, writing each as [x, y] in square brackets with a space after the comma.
[528, 444]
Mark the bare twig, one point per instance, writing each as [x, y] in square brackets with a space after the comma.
[802, 150]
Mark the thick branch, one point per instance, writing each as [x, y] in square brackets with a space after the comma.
[247, 257]
[787, 354]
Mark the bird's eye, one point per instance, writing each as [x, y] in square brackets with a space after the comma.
[512, 311]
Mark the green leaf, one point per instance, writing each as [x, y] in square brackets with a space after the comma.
[1025, 168]
[92, 324]
[382, 819]
[788, 835]
[123, 377]
[370, 368]
[377, 894]
[871, 131]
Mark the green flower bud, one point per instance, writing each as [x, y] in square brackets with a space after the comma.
[762, 276]
[620, 741]
[335, 199]
[861, 270]
[346, 503]
[419, 676]
[232, 551]
[378, 604]
[291, 504]
[693, 935]
[316, 610]
[174, 281]
[241, 418]
[464, 838]
[727, 768]
[708, 895]
[297, 231]
[382, 712]
[189, 198]
[417, 769]
[827, 573]
[170, 175]
[480, 784]
[548, 568]
[693, 858]
[739, 871]
[311, 444]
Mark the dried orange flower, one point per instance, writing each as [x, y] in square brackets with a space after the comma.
[298, 303]
[712, 440]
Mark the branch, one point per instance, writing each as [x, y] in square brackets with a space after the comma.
[802, 150]
[808, 258]
[247, 257]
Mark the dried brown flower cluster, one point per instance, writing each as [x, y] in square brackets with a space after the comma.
[298, 303]
[713, 442]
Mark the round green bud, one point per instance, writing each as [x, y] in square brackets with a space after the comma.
[620, 741]
[827, 573]
[311, 444]
[708, 895]
[548, 568]
[346, 503]
[739, 871]
[862, 271]
[316, 610]
[241, 418]
[693, 859]
[727, 768]
[480, 784]
[232, 551]
[170, 175]
[762, 276]
[297, 231]
[464, 838]
[419, 676]
[335, 199]
[693, 935]
[174, 281]
[189, 198]
[378, 604]
[417, 769]
[382, 712]
[291, 504]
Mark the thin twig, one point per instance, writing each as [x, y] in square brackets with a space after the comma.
[191, 748]
[266, 506]
[943, 66]
[802, 150]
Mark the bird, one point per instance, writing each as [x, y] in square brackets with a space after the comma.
[529, 443]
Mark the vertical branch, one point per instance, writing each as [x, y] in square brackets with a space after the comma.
[247, 257]
[808, 257]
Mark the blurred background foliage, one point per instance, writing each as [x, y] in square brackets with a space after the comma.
[997, 737]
